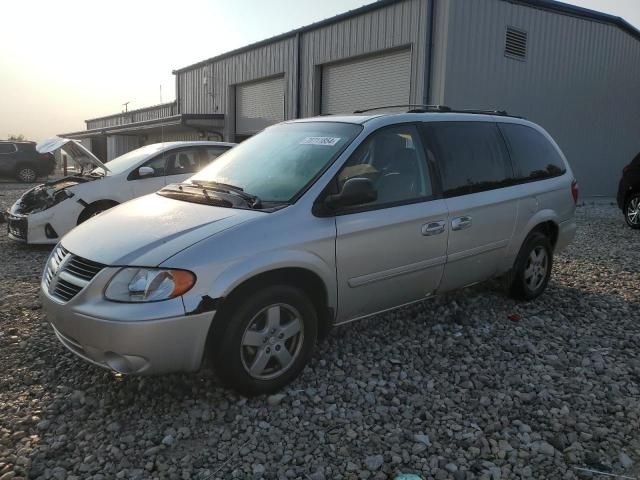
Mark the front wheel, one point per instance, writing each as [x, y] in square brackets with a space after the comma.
[632, 211]
[532, 269]
[266, 340]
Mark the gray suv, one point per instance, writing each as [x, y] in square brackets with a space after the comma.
[22, 161]
[310, 224]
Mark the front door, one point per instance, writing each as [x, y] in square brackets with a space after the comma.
[391, 251]
[476, 173]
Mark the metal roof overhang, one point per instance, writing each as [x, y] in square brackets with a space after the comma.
[202, 122]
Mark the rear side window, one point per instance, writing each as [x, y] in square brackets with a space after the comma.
[472, 156]
[7, 148]
[533, 156]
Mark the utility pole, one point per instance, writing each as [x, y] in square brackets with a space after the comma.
[126, 106]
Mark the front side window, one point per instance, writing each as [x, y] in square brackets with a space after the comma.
[128, 160]
[393, 159]
[281, 161]
[182, 162]
[534, 157]
[472, 156]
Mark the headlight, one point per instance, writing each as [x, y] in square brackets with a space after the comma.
[148, 284]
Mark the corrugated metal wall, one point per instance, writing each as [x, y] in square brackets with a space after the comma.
[580, 81]
[140, 115]
[278, 58]
[401, 24]
[120, 144]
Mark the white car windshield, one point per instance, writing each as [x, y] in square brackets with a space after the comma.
[280, 162]
[128, 160]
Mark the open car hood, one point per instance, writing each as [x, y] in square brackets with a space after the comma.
[80, 154]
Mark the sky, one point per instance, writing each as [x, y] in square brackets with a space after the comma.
[65, 61]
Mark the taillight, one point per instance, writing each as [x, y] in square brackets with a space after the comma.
[574, 191]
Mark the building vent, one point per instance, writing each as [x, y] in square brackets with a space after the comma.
[515, 45]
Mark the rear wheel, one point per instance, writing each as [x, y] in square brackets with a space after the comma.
[632, 211]
[265, 341]
[26, 174]
[532, 269]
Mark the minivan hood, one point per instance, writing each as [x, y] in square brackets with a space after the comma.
[148, 230]
[80, 154]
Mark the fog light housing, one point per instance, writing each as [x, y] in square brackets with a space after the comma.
[49, 231]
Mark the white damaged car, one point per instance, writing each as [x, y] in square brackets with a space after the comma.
[43, 214]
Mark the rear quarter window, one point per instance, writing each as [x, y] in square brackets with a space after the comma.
[533, 156]
[472, 156]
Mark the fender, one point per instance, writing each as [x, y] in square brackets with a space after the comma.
[541, 216]
[252, 266]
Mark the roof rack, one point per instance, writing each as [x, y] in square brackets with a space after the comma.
[419, 108]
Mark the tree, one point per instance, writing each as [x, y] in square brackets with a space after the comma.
[17, 138]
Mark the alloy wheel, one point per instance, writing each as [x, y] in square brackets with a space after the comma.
[535, 271]
[633, 211]
[27, 175]
[272, 341]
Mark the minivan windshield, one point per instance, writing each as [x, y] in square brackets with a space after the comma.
[281, 161]
[128, 160]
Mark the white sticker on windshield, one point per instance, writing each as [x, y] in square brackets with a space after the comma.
[327, 141]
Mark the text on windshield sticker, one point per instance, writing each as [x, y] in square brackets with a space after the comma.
[327, 141]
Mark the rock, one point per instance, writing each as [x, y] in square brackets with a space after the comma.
[168, 440]
[625, 461]
[421, 438]
[43, 425]
[374, 462]
[451, 467]
[276, 399]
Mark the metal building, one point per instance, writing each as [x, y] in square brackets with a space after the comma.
[572, 70]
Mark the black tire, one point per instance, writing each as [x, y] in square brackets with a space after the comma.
[26, 174]
[632, 211]
[95, 209]
[525, 285]
[232, 354]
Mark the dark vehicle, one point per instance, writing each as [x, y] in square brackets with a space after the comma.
[22, 161]
[629, 193]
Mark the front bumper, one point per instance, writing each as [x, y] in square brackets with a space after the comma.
[128, 338]
[17, 227]
[45, 227]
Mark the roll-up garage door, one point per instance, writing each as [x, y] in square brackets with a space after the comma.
[258, 105]
[366, 83]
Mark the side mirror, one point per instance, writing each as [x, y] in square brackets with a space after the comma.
[145, 171]
[355, 191]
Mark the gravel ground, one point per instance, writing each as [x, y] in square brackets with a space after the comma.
[471, 385]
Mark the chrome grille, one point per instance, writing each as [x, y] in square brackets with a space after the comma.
[83, 268]
[67, 274]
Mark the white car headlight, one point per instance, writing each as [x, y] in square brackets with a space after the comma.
[148, 284]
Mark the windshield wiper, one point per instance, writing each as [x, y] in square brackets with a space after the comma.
[252, 200]
[190, 197]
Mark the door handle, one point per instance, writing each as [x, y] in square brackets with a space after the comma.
[433, 228]
[460, 223]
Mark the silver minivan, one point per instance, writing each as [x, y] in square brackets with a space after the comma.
[310, 224]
